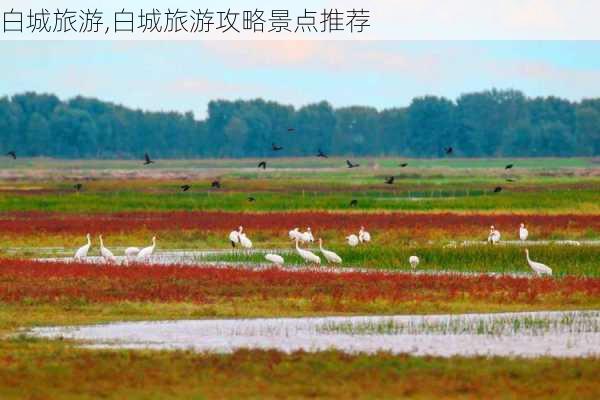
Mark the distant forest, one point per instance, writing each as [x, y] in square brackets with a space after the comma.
[483, 124]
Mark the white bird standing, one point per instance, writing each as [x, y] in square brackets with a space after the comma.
[245, 242]
[414, 261]
[539, 268]
[364, 236]
[523, 232]
[329, 255]
[234, 236]
[307, 255]
[275, 259]
[295, 234]
[352, 240]
[147, 251]
[494, 236]
[106, 253]
[81, 253]
[308, 235]
[132, 251]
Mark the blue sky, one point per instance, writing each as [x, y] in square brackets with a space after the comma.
[185, 75]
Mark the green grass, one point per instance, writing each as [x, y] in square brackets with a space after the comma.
[563, 259]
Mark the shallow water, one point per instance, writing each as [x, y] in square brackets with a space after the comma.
[560, 334]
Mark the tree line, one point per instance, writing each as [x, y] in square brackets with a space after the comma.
[490, 123]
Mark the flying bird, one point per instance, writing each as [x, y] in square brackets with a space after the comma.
[291, 129]
[509, 166]
[389, 180]
[404, 165]
[448, 150]
[262, 164]
[78, 187]
[275, 147]
[353, 203]
[185, 188]
[12, 154]
[498, 189]
[350, 165]
[251, 199]
[216, 184]
[321, 154]
[147, 159]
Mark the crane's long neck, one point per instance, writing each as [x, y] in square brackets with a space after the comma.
[321, 245]
[89, 240]
[297, 248]
[101, 242]
[153, 242]
[527, 255]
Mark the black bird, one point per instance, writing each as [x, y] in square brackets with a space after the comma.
[321, 154]
[185, 188]
[354, 203]
[147, 159]
[509, 166]
[251, 199]
[389, 180]
[448, 150]
[78, 187]
[216, 184]
[12, 154]
[262, 164]
[350, 165]
[291, 129]
[275, 147]
[404, 165]
[510, 180]
[498, 189]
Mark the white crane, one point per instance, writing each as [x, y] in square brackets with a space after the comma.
[307, 255]
[539, 268]
[352, 240]
[494, 236]
[308, 236]
[275, 259]
[245, 242]
[523, 232]
[81, 253]
[329, 255]
[364, 236]
[234, 236]
[414, 261]
[147, 251]
[295, 234]
[131, 252]
[106, 253]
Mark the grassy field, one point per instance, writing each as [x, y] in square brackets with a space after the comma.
[432, 207]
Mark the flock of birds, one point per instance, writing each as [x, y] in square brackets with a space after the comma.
[239, 238]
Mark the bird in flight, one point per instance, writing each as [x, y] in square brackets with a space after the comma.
[185, 188]
[321, 154]
[404, 165]
[498, 189]
[389, 180]
[291, 129]
[354, 203]
[251, 199]
[262, 164]
[509, 166]
[350, 165]
[216, 184]
[147, 159]
[275, 147]
[78, 187]
[12, 154]
[448, 150]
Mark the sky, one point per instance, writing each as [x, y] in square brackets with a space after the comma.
[186, 75]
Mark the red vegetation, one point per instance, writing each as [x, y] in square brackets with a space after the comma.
[35, 222]
[32, 281]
